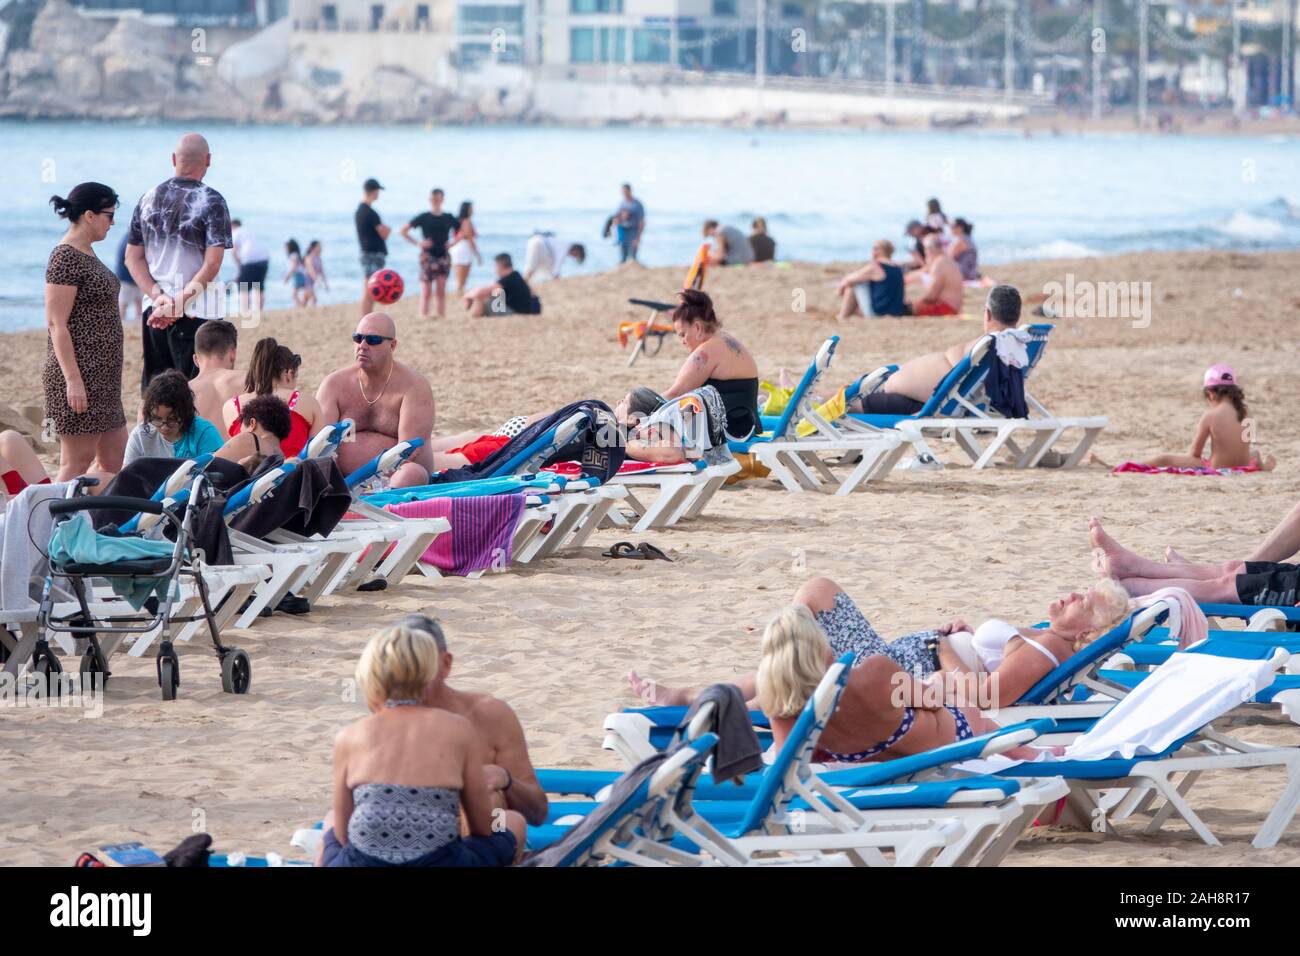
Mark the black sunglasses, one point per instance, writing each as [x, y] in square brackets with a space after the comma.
[370, 339]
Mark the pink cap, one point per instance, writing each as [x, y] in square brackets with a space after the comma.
[1219, 375]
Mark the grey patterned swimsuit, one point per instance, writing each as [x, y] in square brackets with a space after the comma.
[400, 824]
[848, 630]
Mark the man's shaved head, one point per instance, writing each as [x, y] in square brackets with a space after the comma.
[191, 156]
[378, 323]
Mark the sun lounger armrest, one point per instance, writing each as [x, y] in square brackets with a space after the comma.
[870, 382]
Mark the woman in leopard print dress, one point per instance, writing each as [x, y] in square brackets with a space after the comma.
[83, 353]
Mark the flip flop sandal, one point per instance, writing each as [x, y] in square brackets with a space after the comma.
[651, 553]
[623, 549]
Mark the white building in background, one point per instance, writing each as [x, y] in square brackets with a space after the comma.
[690, 34]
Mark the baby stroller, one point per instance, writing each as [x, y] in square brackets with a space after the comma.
[135, 566]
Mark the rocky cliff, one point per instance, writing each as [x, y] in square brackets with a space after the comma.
[57, 63]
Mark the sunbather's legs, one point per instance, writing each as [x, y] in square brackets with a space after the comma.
[17, 455]
[1220, 590]
[1283, 542]
[1175, 461]
[654, 694]
[1119, 562]
[849, 304]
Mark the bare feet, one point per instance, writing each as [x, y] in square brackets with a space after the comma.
[656, 695]
[1109, 556]
[1094, 460]
[1173, 557]
[1267, 463]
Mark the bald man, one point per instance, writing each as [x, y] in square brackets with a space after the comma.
[388, 401]
[941, 281]
[179, 233]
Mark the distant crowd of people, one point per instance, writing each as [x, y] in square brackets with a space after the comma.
[943, 258]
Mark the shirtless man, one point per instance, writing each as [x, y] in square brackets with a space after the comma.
[509, 772]
[217, 382]
[908, 389]
[388, 401]
[941, 278]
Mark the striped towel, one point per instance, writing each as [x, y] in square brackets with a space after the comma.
[482, 530]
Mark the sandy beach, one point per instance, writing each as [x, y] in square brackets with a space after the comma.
[556, 639]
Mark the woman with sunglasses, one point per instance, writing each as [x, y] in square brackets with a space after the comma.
[171, 427]
[82, 377]
[274, 371]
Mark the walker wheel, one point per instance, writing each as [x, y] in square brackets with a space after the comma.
[92, 664]
[169, 675]
[236, 671]
[47, 666]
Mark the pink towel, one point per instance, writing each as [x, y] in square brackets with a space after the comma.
[482, 530]
[1137, 468]
[1192, 625]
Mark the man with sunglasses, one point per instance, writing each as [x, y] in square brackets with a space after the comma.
[178, 236]
[390, 402]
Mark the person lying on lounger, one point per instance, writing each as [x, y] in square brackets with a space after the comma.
[888, 710]
[907, 390]
[1262, 577]
[403, 774]
[666, 431]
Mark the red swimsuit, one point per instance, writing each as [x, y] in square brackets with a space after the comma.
[299, 428]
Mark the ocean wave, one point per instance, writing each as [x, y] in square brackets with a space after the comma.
[1244, 225]
[1060, 249]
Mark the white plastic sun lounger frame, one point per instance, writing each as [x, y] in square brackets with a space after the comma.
[966, 431]
[683, 492]
[802, 464]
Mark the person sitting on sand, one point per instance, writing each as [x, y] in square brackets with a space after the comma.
[215, 348]
[274, 371]
[265, 424]
[1221, 425]
[963, 251]
[941, 280]
[509, 295]
[763, 245]
[876, 289]
[716, 358]
[916, 231]
[907, 390]
[387, 400]
[403, 774]
[1262, 577]
[887, 710]
[171, 426]
[730, 245]
[511, 780]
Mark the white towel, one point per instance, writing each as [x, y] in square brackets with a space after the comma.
[20, 559]
[1179, 697]
[1012, 347]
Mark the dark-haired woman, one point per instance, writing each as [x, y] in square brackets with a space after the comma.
[82, 377]
[463, 247]
[264, 429]
[171, 427]
[717, 358]
[274, 371]
[963, 251]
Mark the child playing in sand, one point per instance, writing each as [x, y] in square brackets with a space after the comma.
[1222, 426]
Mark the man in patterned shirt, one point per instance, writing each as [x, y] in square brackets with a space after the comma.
[178, 235]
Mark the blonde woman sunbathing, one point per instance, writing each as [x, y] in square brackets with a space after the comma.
[889, 707]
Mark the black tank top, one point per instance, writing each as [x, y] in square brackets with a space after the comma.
[740, 396]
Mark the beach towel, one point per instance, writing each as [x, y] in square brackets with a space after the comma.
[1137, 468]
[571, 469]
[25, 537]
[312, 500]
[1176, 700]
[1005, 382]
[482, 530]
[1187, 621]
[738, 751]
[75, 541]
[596, 447]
